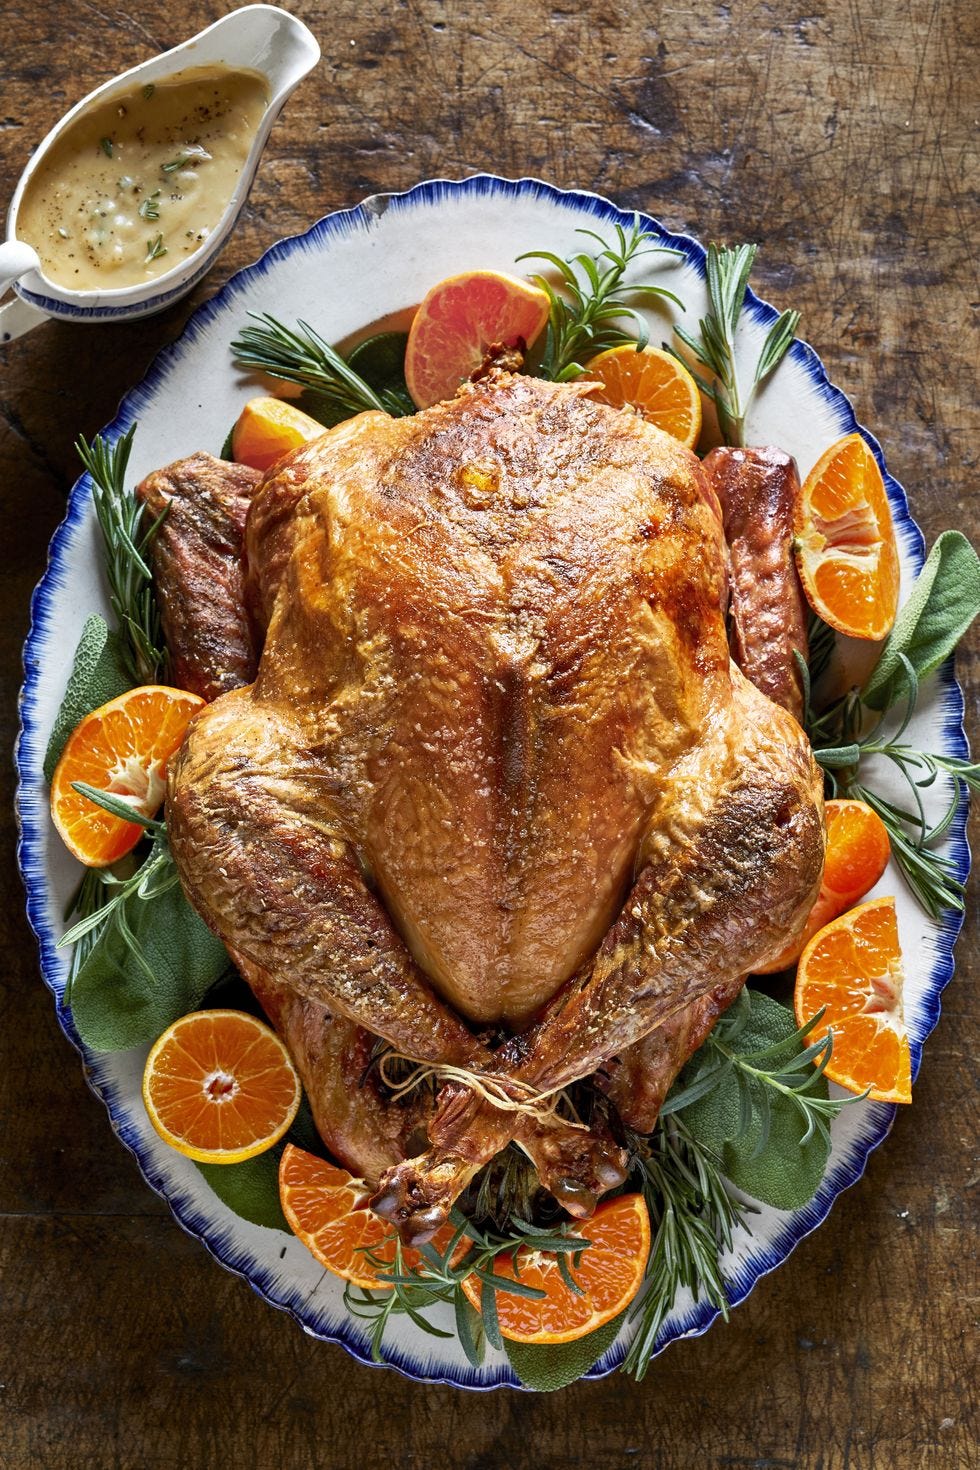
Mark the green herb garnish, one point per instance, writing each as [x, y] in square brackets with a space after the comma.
[786, 1071]
[106, 145]
[150, 207]
[727, 272]
[175, 163]
[693, 1217]
[302, 356]
[127, 539]
[593, 301]
[149, 90]
[413, 1290]
[155, 248]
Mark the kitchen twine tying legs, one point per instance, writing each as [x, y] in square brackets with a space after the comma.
[497, 1091]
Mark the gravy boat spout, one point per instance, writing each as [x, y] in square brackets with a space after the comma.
[257, 38]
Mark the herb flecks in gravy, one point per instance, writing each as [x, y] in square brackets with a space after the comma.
[137, 183]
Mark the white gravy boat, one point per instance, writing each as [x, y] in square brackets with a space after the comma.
[259, 38]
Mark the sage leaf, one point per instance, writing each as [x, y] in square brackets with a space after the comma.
[150, 965]
[97, 676]
[943, 603]
[763, 1139]
[546, 1367]
[250, 1189]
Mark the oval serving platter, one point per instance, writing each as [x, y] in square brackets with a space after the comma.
[395, 247]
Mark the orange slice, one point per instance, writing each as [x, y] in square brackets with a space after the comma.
[610, 1273]
[123, 748]
[459, 319]
[268, 428]
[853, 969]
[845, 542]
[219, 1087]
[858, 850]
[326, 1209]
[658, 386]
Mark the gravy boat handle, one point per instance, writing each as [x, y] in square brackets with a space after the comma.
[18, 316]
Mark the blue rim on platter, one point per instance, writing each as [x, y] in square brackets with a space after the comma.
[33, 819]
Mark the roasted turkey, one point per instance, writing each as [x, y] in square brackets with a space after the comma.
[496, 793]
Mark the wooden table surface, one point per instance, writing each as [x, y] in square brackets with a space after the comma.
[840, 135]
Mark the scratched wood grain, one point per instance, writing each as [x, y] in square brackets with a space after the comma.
[840, 134]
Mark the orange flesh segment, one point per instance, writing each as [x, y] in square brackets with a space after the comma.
[268, 428]
[219, 1086]
[458, 320]
[853, 970]
[610, 1272]
[846, 550]
[659, 387]
[123, 748]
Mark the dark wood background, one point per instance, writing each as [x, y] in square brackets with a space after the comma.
[838, 133]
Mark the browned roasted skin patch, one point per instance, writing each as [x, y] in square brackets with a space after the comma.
[757, 489]
[198, 571]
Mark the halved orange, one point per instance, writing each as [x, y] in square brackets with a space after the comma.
[122, 748]
[845, 541]
[853, 970]
[610, 1273]
[658, 386]
[268, 428]
[459, 319]
[326, 1209]
[219, 1087]
[857, 854]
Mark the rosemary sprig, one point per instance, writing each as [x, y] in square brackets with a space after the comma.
[437, 1280]
[842, 743]
[593, 303]
[728, 272]
[85, 902]
[155, 248]
[505, 1188]
[302, 356]
[693, 1216]
[127, 540]
[156, 875]
[150, 207]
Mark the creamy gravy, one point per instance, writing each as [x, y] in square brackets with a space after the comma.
[136, 184]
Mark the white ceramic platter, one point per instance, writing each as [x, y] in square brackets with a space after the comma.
[350, 269]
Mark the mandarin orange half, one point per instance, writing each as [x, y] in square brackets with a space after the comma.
[846, 550]
[122, 748]
[852, 970]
